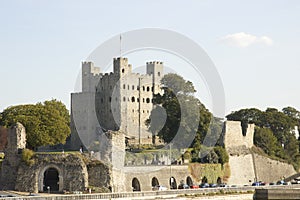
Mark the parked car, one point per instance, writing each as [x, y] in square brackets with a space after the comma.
[204, 185]
[159, 188]
[223, 185]
[213, 185]
[194, 186]
[259, 183]
[183, 186]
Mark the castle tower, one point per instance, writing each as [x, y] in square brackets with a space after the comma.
[90, 76]
[121, 67]
[156, 70]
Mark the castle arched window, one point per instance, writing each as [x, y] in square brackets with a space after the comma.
[138, 87]
[143, 100]
[147, 100]
[109, 99]
[124, 98]
[158, 73]
[133, 87]
[137, 99]
[143, 88]
[152, 89]
[148, 89]
[128, 87]
[132, 99]
[124, 86]
[123, 70]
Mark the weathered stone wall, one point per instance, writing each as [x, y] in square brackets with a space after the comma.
[269, 170]
[99, 174]
[16, 141]
[73, 175]
[245, 165]
[233, 137]
[144, 175]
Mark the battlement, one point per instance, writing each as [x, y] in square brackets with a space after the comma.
[154, 62]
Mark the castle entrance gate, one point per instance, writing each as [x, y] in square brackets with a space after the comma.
[51, 180]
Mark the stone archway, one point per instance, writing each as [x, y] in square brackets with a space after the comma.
[173, 184]
[189, 181]
[51, 180]
[135, 185]
[154, 182]
[51, 176]
[204, 179]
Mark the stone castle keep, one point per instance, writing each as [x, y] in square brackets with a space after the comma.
[120, 100]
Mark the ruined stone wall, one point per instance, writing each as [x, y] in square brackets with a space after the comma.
[73, 174]
[269, 170]
[245, 165]
[16, 141]
[100, 175]
[233, 136]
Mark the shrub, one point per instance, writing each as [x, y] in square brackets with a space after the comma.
[27, 156]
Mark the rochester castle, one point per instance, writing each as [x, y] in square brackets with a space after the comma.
[118, 101]
[109, 108]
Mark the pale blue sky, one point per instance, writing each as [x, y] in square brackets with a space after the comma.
[255, 45]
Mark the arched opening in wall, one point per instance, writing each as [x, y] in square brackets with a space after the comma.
[148, 89]
[154, 182]
[204, 179]
[123, 70]
[51, 180]
[189, 181]
[219, 181]
[147, 100]
[173, 184]
[132, 99]
[135, 185]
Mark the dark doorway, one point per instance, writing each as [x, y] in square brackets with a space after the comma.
[51, 180]
[135, 185]
[189, 181]
[173, 184]
[204, 179]
[154, 182]
[219, 181]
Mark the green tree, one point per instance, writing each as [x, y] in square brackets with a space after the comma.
[246, 116]
[181, 110]
[45, 124]
[265, 139]
[222, 154]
